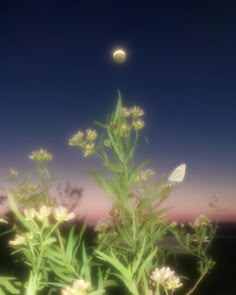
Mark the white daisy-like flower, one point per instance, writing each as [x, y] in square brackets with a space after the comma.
[61, 214]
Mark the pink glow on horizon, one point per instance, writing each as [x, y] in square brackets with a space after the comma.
[187, 201]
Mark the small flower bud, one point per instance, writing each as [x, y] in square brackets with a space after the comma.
[138, 124]
[40, 156]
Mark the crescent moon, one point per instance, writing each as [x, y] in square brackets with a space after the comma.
[119, 55]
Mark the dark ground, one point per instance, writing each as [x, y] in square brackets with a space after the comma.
[221, 280]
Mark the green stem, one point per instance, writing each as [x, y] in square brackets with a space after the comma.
[197, 283]
[67, 265]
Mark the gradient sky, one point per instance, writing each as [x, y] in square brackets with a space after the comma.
[57, 76]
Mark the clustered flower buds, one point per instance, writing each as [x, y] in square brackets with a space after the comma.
[134, 113]
[85, 141]
[102, 226]
[79, 287]
[40, 156]
[13, 172]
[166, 277]
[138, 124]
[125, 129]
[107, 143]
[145, 175]
[77, 139]
[41, 215]
[201, 221]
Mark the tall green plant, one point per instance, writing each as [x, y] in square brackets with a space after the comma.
[130, 241]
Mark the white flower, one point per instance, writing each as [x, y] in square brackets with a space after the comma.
[200, 221]
[18, 240]
[79, 287]
[136, 111]
[125, 112]
[77, 139]
[43, 213]
[138, 124]
[91, 134]
[162, 274]
[81, 284]
[173, 283]
[88, 149]
[40, 156]
[125, 129]
[166, 277]
[61, 214]
[29, 214]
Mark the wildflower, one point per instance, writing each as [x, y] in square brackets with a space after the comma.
[162, 274]
[136, 112]
[91, 134]
[125, 113]
[81, 284]
[200, 221]
[77, 139]
[124, 129]
[29, 214]
[61, 214]
[173, 282]
[13, 172]
[89, 149]
[18, 240]
[3, 221]
[145, 175]
[43, 213]
[166, 277]
[138, 124]
[40, 156]
[102, 225]
[107, 143]
[79, 287]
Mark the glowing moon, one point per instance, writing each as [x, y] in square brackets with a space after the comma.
[119, 56]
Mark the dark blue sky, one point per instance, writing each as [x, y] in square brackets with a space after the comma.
[56, 76]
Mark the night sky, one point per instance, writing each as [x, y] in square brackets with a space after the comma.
[57, 76]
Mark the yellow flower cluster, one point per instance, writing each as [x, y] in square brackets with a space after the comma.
[134, 114]
[84, 141]
[79, 287]
[166, 277]
[40, 156]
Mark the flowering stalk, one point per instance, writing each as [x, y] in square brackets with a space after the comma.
[128, 243]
